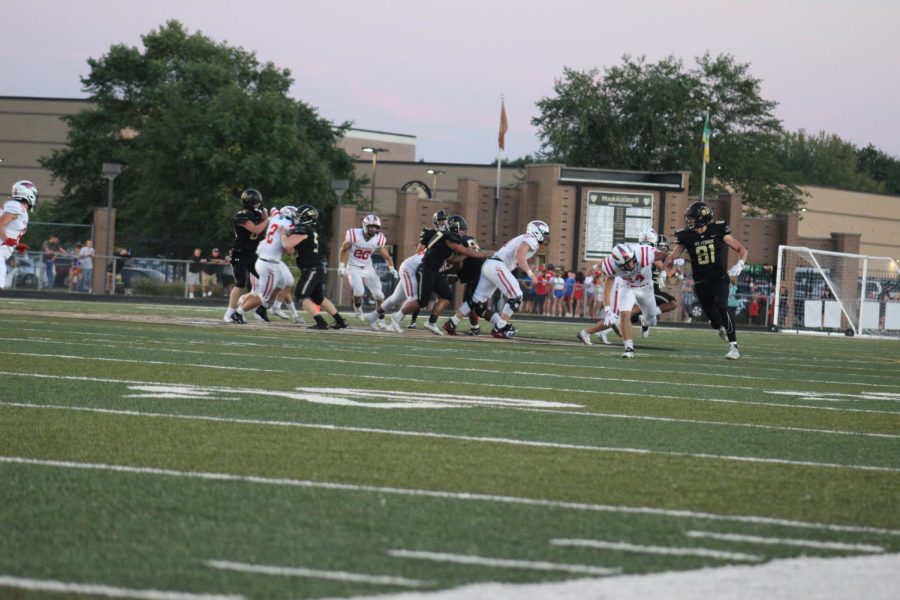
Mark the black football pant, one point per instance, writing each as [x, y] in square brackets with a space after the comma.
[712, 295]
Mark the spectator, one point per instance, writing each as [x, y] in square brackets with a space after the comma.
[75, 271]
[211, 273]
[541, 288]
[195, 265]
[589, 294]
[557, 285]
[227, 273]
[86, 256]
[568, 292]
[578, 295]
[51, 250]
[114, 271]
[734, 303]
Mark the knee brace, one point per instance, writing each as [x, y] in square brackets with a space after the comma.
[514, 304]
[479, 308]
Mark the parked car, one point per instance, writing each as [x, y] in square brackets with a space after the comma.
[26, 271]
[131, 274]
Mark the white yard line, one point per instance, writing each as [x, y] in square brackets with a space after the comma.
[143, 362]
[464, 496]
[90, 589]
[661, 550]
[226, 565]
[755, 539]
[462, 438]
[502, 563]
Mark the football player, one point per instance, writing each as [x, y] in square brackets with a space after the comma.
[468, 271]
[310, 290]
[14, 222]
[705, 241]
[249, 223]
[360, 243]
[497, 273]
[431, 278]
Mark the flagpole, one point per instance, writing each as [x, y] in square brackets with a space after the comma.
[705, 155]
[501, 146]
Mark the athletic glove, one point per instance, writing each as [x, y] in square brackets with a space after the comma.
[610, 317]
[736, 269]
[661, 280]
[342, 270]
[393, 272]
[678, 262]
[10, 242]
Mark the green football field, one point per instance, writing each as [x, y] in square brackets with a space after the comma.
[153, 451]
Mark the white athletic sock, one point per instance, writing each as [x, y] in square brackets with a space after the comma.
[629, 344]
[454, 320]
[292, 308]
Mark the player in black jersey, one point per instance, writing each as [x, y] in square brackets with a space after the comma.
[249, 223]
[705, 241]
[431, 279]
[468, 270]
[439, 220]
[311, 285]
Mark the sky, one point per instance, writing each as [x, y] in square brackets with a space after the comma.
[436, 70]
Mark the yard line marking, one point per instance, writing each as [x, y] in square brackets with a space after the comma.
[68, 587]
[143, 362]
[645, 417]
[663, 550]
[502, 563]
[465, 496]
[755, 539]
[461, 438]
[226, 565]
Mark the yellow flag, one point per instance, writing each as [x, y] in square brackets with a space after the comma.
[706, 139]
[504, 126]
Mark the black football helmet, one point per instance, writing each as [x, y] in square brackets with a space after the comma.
[698, 214]
[662, 242]
[307, 215]
[251, 199]
[456, 224]
[440, 219]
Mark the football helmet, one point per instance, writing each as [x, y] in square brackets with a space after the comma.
[456, 224]
[648, 237]
[25, 190]
[251, 199]
[440, 219]
[663, 243]
[624, 259]
[540, 230]
[371, 225]
[698, 214]
[306, 215]
[288, 212]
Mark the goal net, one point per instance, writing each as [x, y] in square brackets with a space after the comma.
[834, 292]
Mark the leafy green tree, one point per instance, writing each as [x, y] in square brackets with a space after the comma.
[649, 116]
[881, 167]
[827, 160]
[194, 122]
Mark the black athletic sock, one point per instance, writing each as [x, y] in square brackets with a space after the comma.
[432, 318]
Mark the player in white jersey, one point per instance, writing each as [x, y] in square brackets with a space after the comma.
[359, 244]
[14, 222]
[274, 275]
[497, 273]
[632, 263]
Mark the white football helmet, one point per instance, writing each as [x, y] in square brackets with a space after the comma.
[371, 225]
[25, 190]
[648, 237]
[540, 230]
[624, 259]
[288, 212]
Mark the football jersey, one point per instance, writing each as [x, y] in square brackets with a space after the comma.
[15, 229]
[643, 275]
[361, 249]
[308, 249]
[244, 241]
[470, 271]
[438, 251]
[270, 247]
[507, 253]
[707, 250]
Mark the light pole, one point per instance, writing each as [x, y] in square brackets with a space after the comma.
[339, 187]
[374, 152]
[434, 173]
[109, 171]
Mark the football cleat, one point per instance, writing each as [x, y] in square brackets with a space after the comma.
[411, 325]
[645, 330]
[280, 313]
[723, 335]
[629, 353]
[298, 320]
[262, 314]
[474, 330]
[395, 322]
[449, 327]
[506, 332]
[237, 318]
[319, 325]
[603, 339]
[733, 353]
[359, 313]
[433, 328]
[372, 318]
[338, 325]
[584, 338]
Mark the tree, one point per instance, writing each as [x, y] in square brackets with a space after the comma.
[881, 167]
[646, 116]
[827, 160]
[193, 122]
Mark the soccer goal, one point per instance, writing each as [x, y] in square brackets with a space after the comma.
[833, 292]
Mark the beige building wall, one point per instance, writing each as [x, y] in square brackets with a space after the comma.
[875, 217]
